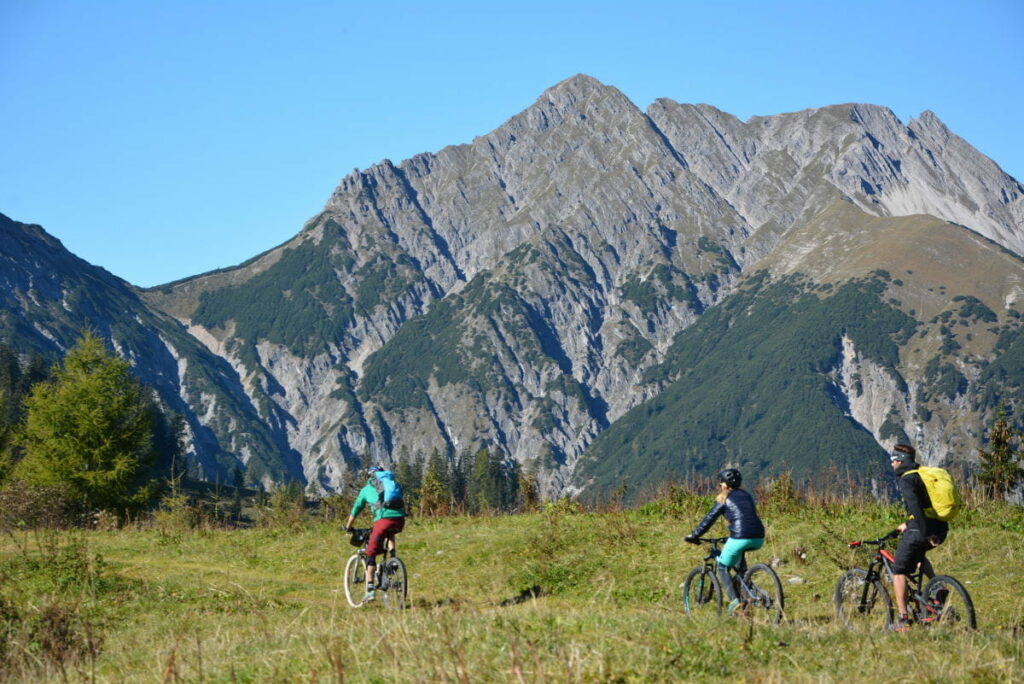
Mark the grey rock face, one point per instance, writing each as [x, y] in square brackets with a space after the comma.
[590, 181]
[553, 260]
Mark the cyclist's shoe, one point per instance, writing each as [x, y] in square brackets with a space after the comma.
[370, 595]
[901, 624]
[737, 607]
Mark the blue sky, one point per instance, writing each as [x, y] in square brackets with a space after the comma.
[161, 139]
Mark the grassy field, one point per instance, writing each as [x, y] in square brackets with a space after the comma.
[248, 605]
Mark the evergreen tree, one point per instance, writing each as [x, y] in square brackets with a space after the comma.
[293, 491]
[409, 474]
[528, 490]
[10, 386]
[479, 493]
[504, 481]
[490, 487]
[15, 384]
[1000, 469]
[90, 431]
[168, 441]
[237, 482]
[435, 492]
[36, 370]
[5, 434]
[459, 480]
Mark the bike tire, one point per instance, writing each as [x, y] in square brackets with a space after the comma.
[355, 580]
[767, 601]
[396, 584]
[860, 605]
[949, 605]
[702, 592]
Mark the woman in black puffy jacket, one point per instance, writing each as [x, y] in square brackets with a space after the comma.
[746, 531]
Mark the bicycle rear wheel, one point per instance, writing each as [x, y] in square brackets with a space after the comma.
[948, 606]
[766, 599]
[702, 592]
[862, 605]
[396, 584]
[355, 580]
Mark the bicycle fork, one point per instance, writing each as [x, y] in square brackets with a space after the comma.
[867, 598]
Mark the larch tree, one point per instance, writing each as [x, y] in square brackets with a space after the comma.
[999, 468]
[90, 431]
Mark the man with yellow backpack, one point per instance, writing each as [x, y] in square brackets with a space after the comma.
[932, 500]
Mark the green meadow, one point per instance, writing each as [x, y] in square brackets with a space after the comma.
[558, 595]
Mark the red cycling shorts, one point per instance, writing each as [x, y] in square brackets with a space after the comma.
[382, 529]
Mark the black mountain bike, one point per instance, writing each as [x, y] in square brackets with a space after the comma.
[863, 602]
[391, 581]
[758, 588]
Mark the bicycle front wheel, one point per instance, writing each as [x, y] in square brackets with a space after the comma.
[948, 606]
[396, 584]
[766, 599]
[702, 592]
[862, 605]
[355, 580]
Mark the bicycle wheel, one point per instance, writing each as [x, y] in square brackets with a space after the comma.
[702, 592]
[766, 599]
[948, 606]
[355, 580]
[862, 605]
[395, 584]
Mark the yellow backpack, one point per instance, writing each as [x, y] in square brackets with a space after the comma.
[942, 491]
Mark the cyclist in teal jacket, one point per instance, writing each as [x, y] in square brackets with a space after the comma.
[384, 497]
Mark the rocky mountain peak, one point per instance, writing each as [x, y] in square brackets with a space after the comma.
[521, 291]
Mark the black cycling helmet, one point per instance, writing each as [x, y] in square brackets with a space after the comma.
[731, 477]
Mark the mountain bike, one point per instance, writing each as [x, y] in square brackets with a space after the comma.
[863, 603]
[758, 588]
[391, 580]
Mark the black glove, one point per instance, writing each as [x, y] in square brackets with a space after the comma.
[349, 530]
[691, 540]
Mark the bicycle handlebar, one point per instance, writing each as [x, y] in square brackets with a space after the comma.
[713, 540]
[875, 542]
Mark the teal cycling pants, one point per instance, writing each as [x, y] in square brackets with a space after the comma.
[734, 549]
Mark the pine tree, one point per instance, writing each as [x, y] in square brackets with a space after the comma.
[435, 492]
[478, 487]
[459, 480]
[1000, 469]
[90, 431]
[35, 371]
[5, 435]
[10, 384]
[237, 482]
[490, 486]
[15, 384]
[529, 489]
[409, 474]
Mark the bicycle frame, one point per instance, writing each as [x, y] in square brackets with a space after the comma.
[881, 568]
[736, 574]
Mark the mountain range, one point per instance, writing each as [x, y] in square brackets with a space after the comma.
[626, 296]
